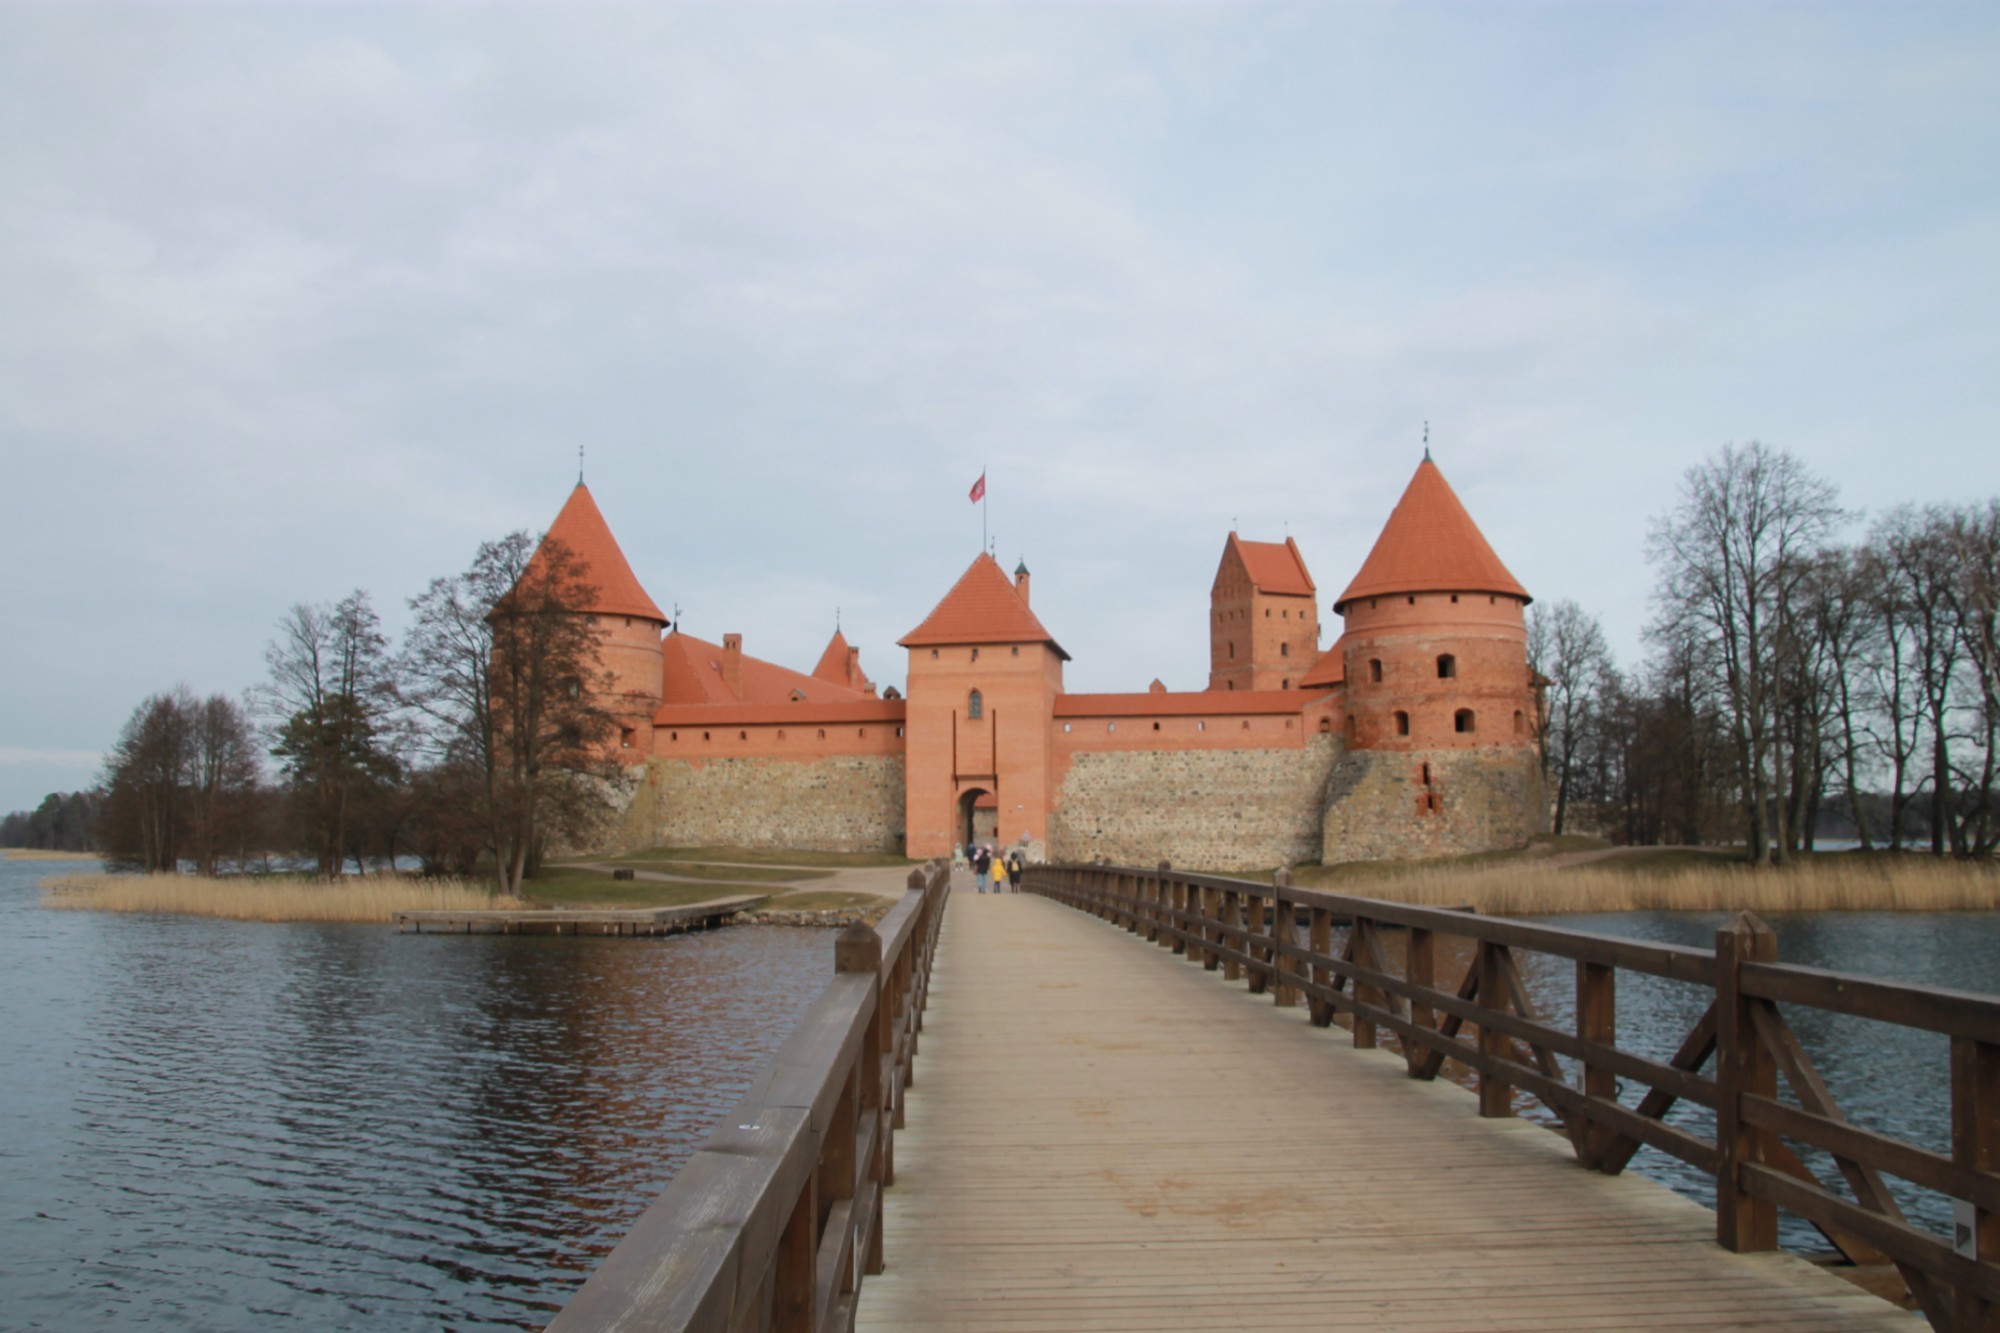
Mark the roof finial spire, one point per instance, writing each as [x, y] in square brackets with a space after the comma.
[579, 465]
[836, 620]
[1427, 441]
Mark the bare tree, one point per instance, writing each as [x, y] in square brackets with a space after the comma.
[180, 782]
[221, 782]
[503, 661]
[1566, 650]
[327, 706]
[1733, 554]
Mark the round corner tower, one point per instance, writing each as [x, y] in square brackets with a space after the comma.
[627, 621]
[1435, 644]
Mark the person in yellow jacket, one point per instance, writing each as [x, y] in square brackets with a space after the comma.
[999, 873]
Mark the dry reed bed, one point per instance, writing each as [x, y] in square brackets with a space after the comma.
[1526, 889]
[260, 898]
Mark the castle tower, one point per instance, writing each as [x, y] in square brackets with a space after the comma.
[1435, 648]
[983, 679]
[1263, 622]
[628, 623]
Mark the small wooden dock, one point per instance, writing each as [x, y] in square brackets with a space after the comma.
[580, 921]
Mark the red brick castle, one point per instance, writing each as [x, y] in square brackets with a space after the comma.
[1411, 736]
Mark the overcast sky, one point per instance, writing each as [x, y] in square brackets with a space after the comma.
[297, 299]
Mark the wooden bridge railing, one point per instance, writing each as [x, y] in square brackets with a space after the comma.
[778, 1215]
[1487, 1022]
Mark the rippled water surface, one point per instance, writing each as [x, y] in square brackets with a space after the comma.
[219, 1126]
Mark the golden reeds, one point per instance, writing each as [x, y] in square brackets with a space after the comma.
[1524, 888]
[271, 898]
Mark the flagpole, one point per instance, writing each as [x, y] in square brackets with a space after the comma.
[982, 509]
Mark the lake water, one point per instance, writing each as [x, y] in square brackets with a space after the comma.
[220, 1126]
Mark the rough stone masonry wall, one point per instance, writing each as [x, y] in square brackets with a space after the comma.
[850, 803]
[1200, 809]
[1486, 800]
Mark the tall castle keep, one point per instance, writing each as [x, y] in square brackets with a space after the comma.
[1413, 735]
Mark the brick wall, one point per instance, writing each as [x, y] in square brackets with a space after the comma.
[1247, 809]
[1383, 806]
[843, 803]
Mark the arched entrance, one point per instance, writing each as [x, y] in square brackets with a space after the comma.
[978, 817]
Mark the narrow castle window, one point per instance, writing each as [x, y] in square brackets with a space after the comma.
[1246, 724]
[1353, 729]
[1017, 650]
[742, 735]
[1375, 670]
[933, 654]
[1284, 684]
[1454, 599]
[1461, 721]
[975, 654]
[1111, 726]
[822, 733]
[1447, 666]
[1201, 726]
[1284, 650]
[1427, 775]
[781, 733]
[1520, 723]
[704, 735]
[625, 736]
[1232, 652]
[673, 735]
[1402, 723]
[1326, 726]
[975, 706]
[862, 732]
[1156, 726]
[1065, 726]
[1412, 601]
[899, 731]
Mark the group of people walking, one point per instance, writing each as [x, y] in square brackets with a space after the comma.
[1003, 870]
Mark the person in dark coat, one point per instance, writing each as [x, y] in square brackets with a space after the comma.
[1015, 864]
[982, 861]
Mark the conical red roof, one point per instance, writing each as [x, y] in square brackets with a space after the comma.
[615, 589]
[982, 607]
[1430, 544]
[833, 665]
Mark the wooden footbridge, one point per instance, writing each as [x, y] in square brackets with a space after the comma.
[1097, 1135]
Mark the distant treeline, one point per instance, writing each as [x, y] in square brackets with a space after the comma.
[469, 746]
[1794, 682]
[63, 822]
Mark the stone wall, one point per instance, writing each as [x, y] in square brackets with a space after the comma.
[1200, 809]
[842, 803]
[1401, 805]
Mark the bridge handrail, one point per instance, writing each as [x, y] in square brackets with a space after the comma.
[775, 1219]
[1251, 930]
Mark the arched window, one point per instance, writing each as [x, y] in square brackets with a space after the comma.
[1520, 723]
[1447, 666]
[1375, 670]
[1402, 723]
[1461, 721]
[975, 707]
[1325, 725]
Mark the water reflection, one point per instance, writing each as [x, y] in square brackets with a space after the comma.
[225, 1126]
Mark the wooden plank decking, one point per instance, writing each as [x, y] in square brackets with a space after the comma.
[1101, 1136]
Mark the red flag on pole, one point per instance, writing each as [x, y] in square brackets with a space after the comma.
[978, 489]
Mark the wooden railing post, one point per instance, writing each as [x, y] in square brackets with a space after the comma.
[1284, 931]
[1258, 977]
[1420, 967]
[1360, 935]
[1319, 939]
[1233, 915]
[1975, 1145]
[1163, 901]
[1743, 1066]
[1496, 1095]
[1596, 1021]
[1178, 902]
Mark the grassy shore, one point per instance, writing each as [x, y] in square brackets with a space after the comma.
[1682, 880]
[767, 856]
[37, 854]
[723, 872]
[593, 888]
[271, 897]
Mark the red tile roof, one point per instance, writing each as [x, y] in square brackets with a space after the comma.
[691, 675]
[615, 589]
[1199, 703]
[833, 667]
[982, 607]
[1330, 670]
[735, 714]
[1430, 544]
[1275, 567]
